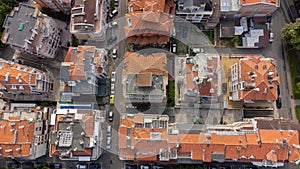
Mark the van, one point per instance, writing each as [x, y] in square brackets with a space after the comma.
[109, 130]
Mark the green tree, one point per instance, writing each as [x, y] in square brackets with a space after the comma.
[291, 34]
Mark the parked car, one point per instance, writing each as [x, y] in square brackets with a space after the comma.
[55, 165]
[81, 166]
[271, 37]
[157, 167]
[116, 3]
[113, 76]
[174, 31]
[112, 99]
[113, 13]
[269, 19]
[114, 53]
[95, 166]
[13, 165]
[174, 48]
[130, 166]
[17, 61]
[145, 167]
[278, 90]
[109, 130]
[184, 33]
[111, 116]
[112, 88]
[113, 24]
[108, 143]
[279, 103]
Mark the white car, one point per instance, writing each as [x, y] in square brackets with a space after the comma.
[113, 77]
[271, 37]
[112, 88]
[108, 141]
[114, 53]
[113, 13]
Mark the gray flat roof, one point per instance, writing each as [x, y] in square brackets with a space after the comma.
[19, 25]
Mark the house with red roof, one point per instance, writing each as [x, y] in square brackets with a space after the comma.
[20, 79]
[149, 21]
[254, 78]
[150, 138]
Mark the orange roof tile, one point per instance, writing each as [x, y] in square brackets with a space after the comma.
[246, 2]
[152, 21]
[261, 69]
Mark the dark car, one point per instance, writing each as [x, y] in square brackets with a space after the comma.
[279, 103]
[28, 165]
[184, 33]
[13, 165]
[278, 90]
[269, 19]
[55, 165]
[95, 166]
[131, 166]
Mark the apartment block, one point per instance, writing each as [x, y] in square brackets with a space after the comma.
[248, 8]
[76, 132]
[149, 21]
[149, 138]
[84, 72]
[202, 78]
[145, 77]
[253, 79]
[27, 29]
[19, 79]
[88, 19]
[24, 131]
[205, 12]
[56, 5]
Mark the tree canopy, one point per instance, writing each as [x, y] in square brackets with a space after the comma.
[291, 34]
[5, 7]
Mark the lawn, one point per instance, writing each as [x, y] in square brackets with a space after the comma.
[171, 94]
[298, 112]
[294, 62]
[210, 35]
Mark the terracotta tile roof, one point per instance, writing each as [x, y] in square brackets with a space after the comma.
[122, 136]
[246, 2]
[264, 75]
[138, 118]
[149, 25]
[138, 63]
[146, 157]
[16, 137]
[19, 75]
[274, 145]
[75, 57]
[127, 122]
[144, 79]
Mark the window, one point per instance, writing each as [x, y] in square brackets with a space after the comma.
[129, 22]
[264, 67]
[256, 67]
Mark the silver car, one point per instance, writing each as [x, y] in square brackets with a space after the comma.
[108, 141]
